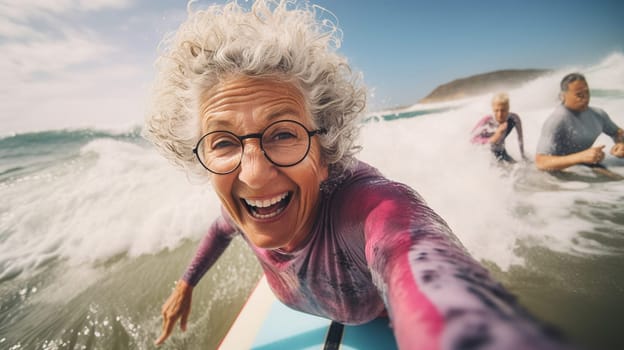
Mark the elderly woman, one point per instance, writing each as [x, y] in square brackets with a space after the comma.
[260, 103]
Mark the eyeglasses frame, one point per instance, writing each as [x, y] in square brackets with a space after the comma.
[258, 135]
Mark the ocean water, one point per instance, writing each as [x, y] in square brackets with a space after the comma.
[95, 227]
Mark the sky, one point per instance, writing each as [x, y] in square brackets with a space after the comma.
[85, 63]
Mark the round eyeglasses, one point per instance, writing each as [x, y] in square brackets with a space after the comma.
[284, 143]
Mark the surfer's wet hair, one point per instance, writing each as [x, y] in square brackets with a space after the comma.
[570, 78]
[501, 97]
[277, 39]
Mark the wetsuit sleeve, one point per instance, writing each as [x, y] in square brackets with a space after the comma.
[552, 132]
[437, 296]
[608, 126]
[481, 134]
[518, 124]
[210, 249]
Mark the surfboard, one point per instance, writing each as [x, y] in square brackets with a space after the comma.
[264, 323]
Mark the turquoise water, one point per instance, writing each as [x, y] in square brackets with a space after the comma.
[389, 116]
[95, 227]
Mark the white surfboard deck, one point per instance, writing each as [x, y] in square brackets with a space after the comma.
[264, 323]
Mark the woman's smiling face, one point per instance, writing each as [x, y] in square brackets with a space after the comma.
[274, 206]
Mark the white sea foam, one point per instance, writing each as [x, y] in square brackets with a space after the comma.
[116, 198]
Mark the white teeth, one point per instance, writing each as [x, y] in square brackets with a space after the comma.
[266, 216]
[267, 202]
[254, 204]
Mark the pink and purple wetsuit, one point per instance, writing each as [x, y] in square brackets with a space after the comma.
[486, 127]
[376, 246]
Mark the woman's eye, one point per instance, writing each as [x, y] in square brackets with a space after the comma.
[223, 144]
[283, 136]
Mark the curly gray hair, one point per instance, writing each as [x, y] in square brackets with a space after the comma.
[275, 39]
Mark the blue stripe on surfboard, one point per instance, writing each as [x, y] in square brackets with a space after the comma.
[285, 328]
[376, 334]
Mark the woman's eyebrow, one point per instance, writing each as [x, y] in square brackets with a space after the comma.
[214, 125]
[226, 124]
[281, 112]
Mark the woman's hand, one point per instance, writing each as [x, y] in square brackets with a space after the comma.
[499, 133]
[177, 306]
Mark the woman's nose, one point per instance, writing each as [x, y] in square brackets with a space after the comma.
[256, 170]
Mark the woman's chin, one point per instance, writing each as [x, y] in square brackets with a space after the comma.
[267, 242]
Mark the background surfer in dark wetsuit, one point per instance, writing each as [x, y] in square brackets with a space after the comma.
[494, 128]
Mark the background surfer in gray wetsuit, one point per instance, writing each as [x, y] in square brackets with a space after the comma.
[569, 133]
[494, 128]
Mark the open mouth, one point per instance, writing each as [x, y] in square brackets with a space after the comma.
[267, 208]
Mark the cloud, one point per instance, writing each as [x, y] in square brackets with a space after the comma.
[90, 5]
[12, 29]
[58, 71]
[50, 57]
[35, 8]
[110, 96]
[36, 37]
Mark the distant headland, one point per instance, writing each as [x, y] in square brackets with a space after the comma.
[483, 83]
